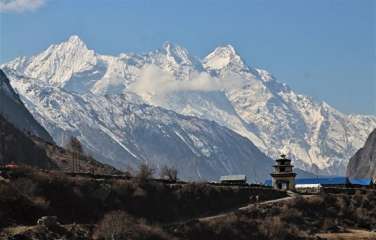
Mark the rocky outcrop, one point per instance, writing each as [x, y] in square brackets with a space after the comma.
[363, 163]
[13, 109]
[23, 141]
[16, 147]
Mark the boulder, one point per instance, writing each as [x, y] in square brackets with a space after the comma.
[48, 221]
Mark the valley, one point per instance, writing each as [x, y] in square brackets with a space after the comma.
[187, 120]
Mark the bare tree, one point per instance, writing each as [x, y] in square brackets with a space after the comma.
[2, 142]
[169, 173]
[74, 145]
[6, 140]
[145, 172]
[115, 225]
[129, 171]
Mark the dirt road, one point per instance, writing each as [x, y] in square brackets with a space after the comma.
[225, 214]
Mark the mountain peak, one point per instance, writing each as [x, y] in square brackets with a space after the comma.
[76, 41]
[169, 45]
[59, 62]
[72, 44]
[227, 49]
[177, 53]
[223, 56]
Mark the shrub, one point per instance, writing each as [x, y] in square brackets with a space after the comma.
[26, 186]
[41, 202]
[119, 225]
[145, 172]
[7, 193]
[169, 173]
[273, 227]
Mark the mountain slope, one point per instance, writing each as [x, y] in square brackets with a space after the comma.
[363, 163]
[12, 109]
[317, 136]
[125, 134]
[221, 87]
[29, 143]
[17, 147]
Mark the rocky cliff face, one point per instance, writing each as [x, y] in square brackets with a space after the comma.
[16, 147]
[363, 163]
[23, 141]
[13, 110]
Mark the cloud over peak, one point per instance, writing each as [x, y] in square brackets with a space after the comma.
[155, 82]
[20, 5]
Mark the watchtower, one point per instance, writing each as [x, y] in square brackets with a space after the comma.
[283, 177]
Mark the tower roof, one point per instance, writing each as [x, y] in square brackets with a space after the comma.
[283, 158]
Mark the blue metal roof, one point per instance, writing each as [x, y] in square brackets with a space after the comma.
[323, 181]
[268, 182]
[361, 181]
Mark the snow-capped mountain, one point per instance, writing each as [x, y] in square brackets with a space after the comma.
[221, 87]
[318, 136]
[118, 131]
[13, 110]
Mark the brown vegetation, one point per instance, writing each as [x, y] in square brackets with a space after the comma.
[68, 161]
[145, 172]
[87, 200]
[130, 209]
[75, 147]
[119, 225]
[18, 209]
[16, 147]
[300, 218]
[169, 173]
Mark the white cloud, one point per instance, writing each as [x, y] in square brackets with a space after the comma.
[20, 5]
[156, 82]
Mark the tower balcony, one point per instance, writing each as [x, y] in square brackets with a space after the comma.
[283, 174]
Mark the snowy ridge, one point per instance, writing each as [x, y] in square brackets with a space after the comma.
[221, 87]
[125, 134]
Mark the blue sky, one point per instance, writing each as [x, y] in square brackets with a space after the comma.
[322, 48]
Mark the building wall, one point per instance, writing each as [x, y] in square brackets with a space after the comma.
[289, 180]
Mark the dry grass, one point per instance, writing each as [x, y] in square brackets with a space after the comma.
[300, 218]
[146, 199]
[119, 225]
[10, 231]
[350, 234]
